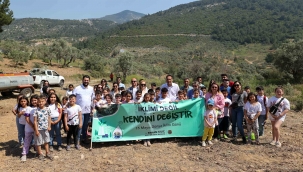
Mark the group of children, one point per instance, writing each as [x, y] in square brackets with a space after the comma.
[39, 119]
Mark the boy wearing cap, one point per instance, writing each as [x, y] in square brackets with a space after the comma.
[263, 100]
[210, 120]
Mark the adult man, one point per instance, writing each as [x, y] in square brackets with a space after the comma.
[84, 94]
[224, 76]
[172, 88]
[225, 86]
[190, 93]
[186, 85]
[119, 82]
[199, 79]
[134, 87]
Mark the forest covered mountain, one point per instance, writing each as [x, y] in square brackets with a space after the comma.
[35, 28]
[230, 21]
[123, 16]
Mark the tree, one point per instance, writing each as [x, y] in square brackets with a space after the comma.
[6, 15]
[45, 53]
[95, 65]
[125, 63]
[289, 59]
[18, 56]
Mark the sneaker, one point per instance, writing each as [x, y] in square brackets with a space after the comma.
[210, 143]
[148, 143]
[23, 158]
[145, 143]
[49, 156]
[203, 143]
[59, 148]
[278, 144]
[244, 141]
[68, 147]
[41, 157]
[51, 148]
[273, 143]
[225, 136]
[77, 147]
[216, 140]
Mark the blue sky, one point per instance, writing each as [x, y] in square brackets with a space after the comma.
[83, 9]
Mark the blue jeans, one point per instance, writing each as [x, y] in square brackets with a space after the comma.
[21, 131]
[85, 119]
[261, 120]
[237, 115]
[55, 128]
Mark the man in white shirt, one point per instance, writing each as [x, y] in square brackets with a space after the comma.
[171, 87]
[84, 94]
[133, 89]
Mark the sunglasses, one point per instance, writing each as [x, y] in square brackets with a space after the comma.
[134, 81]
[143, 84]
[115, 86]
[236, 85]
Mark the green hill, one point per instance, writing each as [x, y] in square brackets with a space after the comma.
[35, 28]
[123, 16]
[229, 21]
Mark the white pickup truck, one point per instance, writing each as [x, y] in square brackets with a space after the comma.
[40, 75]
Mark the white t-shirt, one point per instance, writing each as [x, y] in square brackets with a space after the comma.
[261, 101]
[54, 110]
[84, 97]
[283, 105]
[164, 100]
[98, 103]
[210, 116]
[73, 114]
[28, 128]
[172, 91]
[252, 109]
[138, 101]
[68, 93]
[226, 107]
[26, 111]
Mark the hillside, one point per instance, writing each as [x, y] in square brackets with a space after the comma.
[35, 28]
[230, 21]
[123, 16]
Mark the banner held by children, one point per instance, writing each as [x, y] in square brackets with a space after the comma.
[148, 120]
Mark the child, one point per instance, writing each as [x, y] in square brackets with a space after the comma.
[54, 104]
[138, 98]
[104, 92]
[23, 110]
[108, 101]
[247, 89]
[164, 98]
[42, 124]
[19, 127]
[158, 90]
[196, 94]
[64, 104]
[73, 121]
[118, 98]
[129, 97]
[146, 99]
[252, 110]
[70, 90]
[123, 98]
[29, 126]
[263, 100]
[152, 96]
[180, 96]
[210, 120]
[225, 122]
[203, 89]
[97, 101]
[278, 118]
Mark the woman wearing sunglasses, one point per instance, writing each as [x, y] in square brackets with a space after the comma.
[239, 98]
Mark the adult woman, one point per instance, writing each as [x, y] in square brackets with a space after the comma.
[215, 94]
[115, 90]
[278, 117]
[45, 84]
[143, 87]
[104, 84]
[239, 98]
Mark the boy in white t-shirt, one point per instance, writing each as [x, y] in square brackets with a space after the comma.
[252, 111]
[73, 121]
[138, 98]
[210, 119]
[164, 98]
